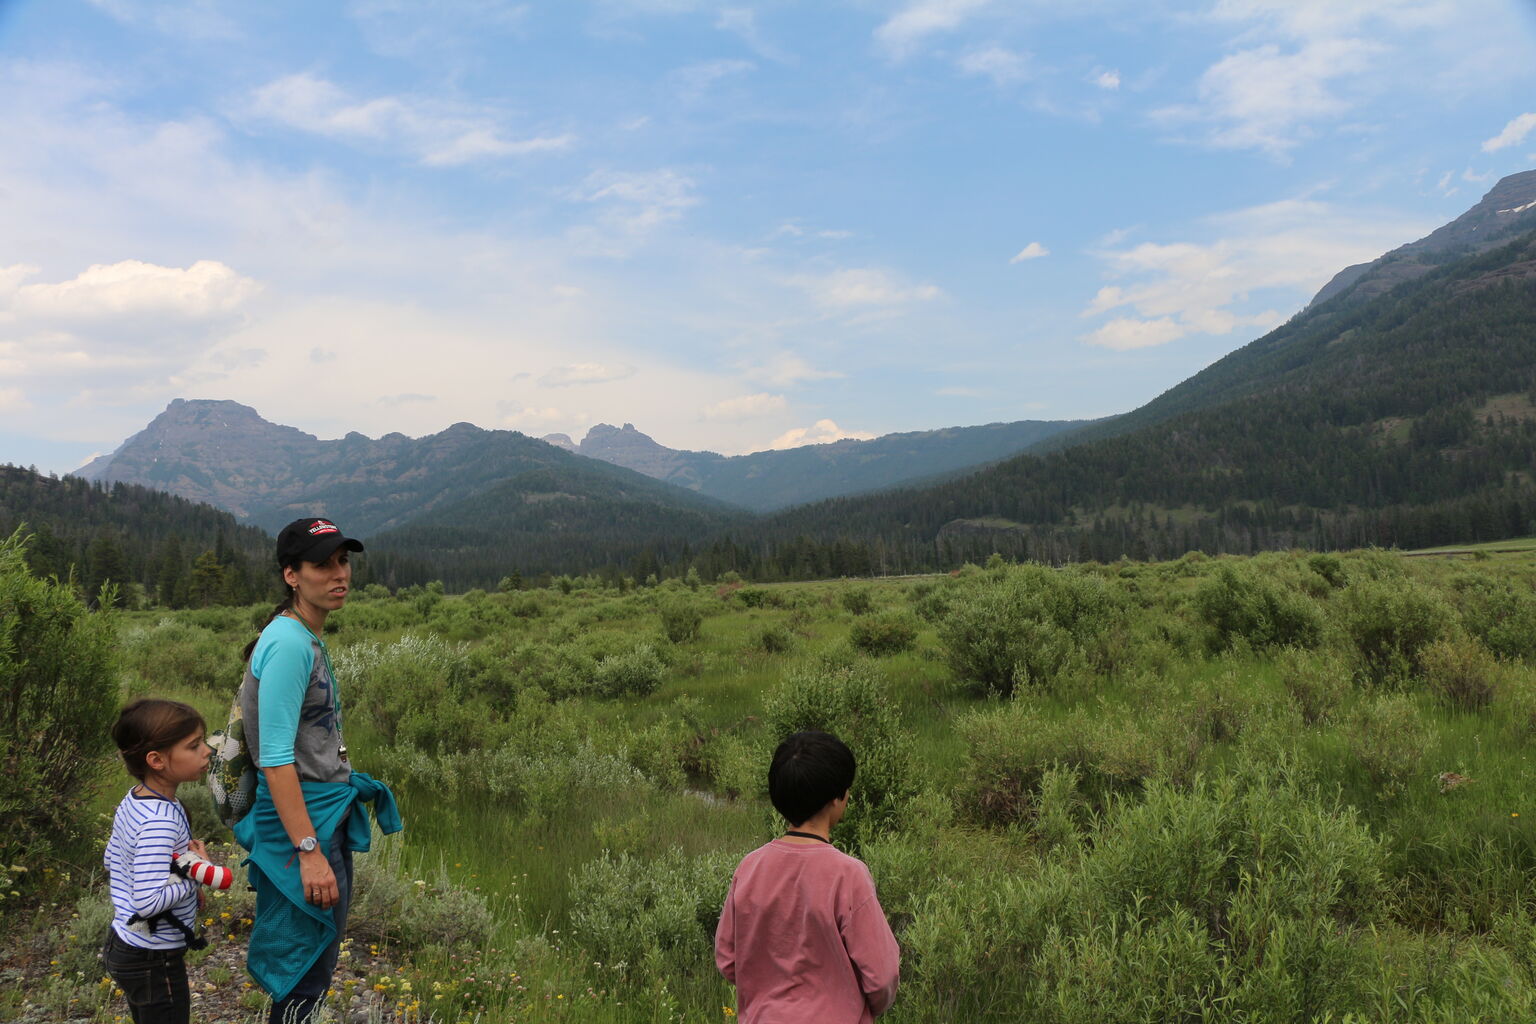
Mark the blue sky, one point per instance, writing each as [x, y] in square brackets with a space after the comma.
[737, 225]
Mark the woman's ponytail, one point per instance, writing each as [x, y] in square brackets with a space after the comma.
[286, 605]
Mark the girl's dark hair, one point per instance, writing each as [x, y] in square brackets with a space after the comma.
[809, 770]
[152, 724]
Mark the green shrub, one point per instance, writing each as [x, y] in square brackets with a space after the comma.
[637, 672]
[751, 597]
[1029, 626]
[415, 913]
[1012, 749]
[658, 916]
[1460, 672]
[1391, 622]
[1389, 740]
[1316, 681]
[931, 602]
[1503, 617]
[680, 619]
[413, 691]
[1262, 612]
[737, 766]
[78, 941]
[1281, 886]
[774, 639]
[882, 635]
[174, 653]
[524, 605]
[1517, 702]
[1330, 568]
[858, 600]
[59, 701]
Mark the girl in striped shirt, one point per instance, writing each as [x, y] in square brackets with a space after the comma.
[154, 862]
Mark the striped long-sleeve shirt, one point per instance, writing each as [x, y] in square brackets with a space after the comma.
[148, 833]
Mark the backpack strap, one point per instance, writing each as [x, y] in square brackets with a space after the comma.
[194, 940]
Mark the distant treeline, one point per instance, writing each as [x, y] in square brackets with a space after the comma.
[157, 548]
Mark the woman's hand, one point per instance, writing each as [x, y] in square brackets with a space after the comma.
[320, 888]
[197, 847]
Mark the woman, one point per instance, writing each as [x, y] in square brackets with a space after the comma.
[307, 820]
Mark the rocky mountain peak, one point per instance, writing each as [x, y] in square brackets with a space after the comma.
[1508, 209]
[203, 449]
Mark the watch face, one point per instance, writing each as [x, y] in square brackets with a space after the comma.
[308, 843]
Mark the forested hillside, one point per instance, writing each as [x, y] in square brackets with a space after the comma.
[179, 552]
[570, 520]
[1408, 419]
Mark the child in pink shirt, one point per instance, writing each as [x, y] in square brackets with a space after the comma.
[802, 935]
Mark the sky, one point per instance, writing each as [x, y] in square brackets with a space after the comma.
[738, 225]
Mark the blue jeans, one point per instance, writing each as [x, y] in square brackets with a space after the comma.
[298, 1006]
[153, 980]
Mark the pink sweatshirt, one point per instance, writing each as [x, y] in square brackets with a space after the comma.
[803, 938]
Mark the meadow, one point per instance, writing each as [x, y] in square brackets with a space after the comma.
[1293, 787]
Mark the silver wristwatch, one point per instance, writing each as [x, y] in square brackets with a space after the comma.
[307, 844]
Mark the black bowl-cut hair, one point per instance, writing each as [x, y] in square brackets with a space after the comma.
[809, 770]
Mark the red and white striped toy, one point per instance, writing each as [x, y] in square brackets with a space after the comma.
[204, 872]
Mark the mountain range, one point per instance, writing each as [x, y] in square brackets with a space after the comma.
[770, 480]
[1399, 406]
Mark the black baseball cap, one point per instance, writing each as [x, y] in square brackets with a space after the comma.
[311, 540]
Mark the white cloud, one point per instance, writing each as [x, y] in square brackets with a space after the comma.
[1107, 80]
[482, 143]
[1513, 134]
[903, 31]
[744, 407]
[185, 19]
[785, 369]
[1314, 19]
[13, 400]
[864, 287]
[409, 28]
[405, 398]
[1124, 333]
[742, 22]
[437, 134]
[134, 288]
[795, 229]
[535, 417]
[1032, 251]
[1004, 67]
[822, 432]
[960, 392]
[695, 80]
[584, 373]
[1279, 253]
[1264, 98]
[1322, 61]
[640, 200]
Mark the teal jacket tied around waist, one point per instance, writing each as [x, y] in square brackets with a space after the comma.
[285, 943]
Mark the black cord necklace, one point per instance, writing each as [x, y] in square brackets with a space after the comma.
[809, 835]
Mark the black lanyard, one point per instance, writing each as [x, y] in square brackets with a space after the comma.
[809, 835]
